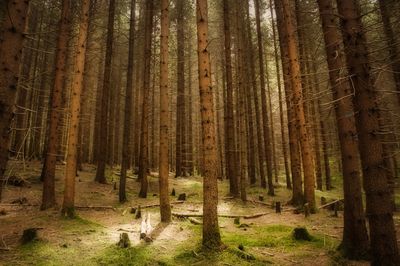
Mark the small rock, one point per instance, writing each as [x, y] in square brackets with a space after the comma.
[64, 245]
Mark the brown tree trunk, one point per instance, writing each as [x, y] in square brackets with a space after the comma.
[126, 145]
[104, 130]
[68, 207]
[144, 136]
[211, 234]
[180, 101]
[297, 198]
[165, 208]
[12, 36]
[229, 125]
[280, 98]
[306, 152]
[379, 206]
[48, 195]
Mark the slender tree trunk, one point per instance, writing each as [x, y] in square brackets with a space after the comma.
[144, 136]
[211, 234]
[306, 152]
[68, 207]
[229, 128]
[10, 58]
[48, 195]
[379, 206]
[104, 130]
[280, 98]
[165, 208]
[126, 146]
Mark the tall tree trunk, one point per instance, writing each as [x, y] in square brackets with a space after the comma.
[379, 206]
[211, 234]
[104, 130]
[306, 152]
[48, 195]
[229, 127]
[12, 36]
[68, 207]
[297, 197]
[280, 98]
[165, 208]
[180, 101]
[144, 136]
[126, 146]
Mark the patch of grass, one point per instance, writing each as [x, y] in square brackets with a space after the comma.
[113, 255]
[79, 224]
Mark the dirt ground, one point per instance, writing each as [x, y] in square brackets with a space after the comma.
[91, 238]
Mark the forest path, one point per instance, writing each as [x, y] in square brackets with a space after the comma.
[91, 239]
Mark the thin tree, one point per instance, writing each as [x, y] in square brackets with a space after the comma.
[144, 136]
[211, 234]
[165, 208]
[103, 149]
[49, 166]
[126, 147]
[12, 39]
[68, 207]
[379, 206]
[306, 152]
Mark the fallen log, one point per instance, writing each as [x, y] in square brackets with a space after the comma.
[186, 215]
[158, 205]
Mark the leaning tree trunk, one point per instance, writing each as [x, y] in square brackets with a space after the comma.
[306, 152]
[126, 146]
[211, 234]
[144, 137]
[355, 238]
[68, 207]
[104, 128]
[12, 36]
[48, 195]
[379, 205]
[165, 208]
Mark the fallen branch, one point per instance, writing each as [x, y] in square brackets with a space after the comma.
[329, 204]
[96, 207]
[158, 205]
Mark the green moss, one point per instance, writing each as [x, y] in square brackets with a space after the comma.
[79, 225]
[113, 255]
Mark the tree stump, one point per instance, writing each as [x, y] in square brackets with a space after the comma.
[306, 210]
[182, 197]
[301, 233]
[138, 213]
[278, 208]
[173, 193]
[124, 241]
[236, 221]
[29, 235]
[323, 201]
[261, 198]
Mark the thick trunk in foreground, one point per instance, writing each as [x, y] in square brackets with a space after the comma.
[68, 207]
[48, 196]
[12, 36]
[355, 238]
[104, 128]
[144, 136]
[165, 208]
[306, 152]
[126, 147]
[379, 205]
[211, 234]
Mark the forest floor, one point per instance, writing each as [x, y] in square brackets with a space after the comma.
[91, 238]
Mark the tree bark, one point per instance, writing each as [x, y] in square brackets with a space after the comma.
[48, 195]
[68, 207]
[12, 36]
[211, 234]
[165, 207]
[379, 206]
[104, 129]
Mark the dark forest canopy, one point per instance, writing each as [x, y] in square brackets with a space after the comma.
[180, 115]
